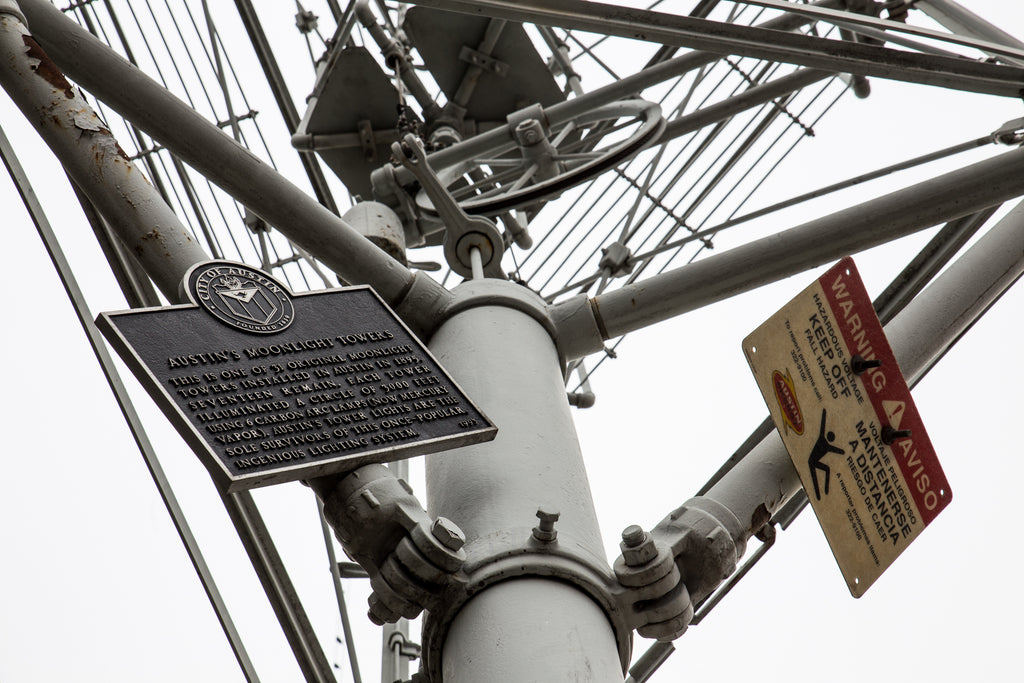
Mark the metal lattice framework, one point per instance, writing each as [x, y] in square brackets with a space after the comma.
[658, 138]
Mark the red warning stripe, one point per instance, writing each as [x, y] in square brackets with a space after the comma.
[864, 336]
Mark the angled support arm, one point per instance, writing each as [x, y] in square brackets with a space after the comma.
[787, 253]
[707, 535]
[237, 171]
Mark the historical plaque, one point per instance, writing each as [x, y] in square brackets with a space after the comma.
[845, 413]
[269, 386]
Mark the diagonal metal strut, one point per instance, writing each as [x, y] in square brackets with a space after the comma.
[748, 41]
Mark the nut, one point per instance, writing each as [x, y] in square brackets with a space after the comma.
[448, 533]
[529, 132]
[637, 546]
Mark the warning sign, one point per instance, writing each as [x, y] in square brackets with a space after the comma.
[847, 418]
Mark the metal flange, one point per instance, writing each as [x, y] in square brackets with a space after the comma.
[518, 553]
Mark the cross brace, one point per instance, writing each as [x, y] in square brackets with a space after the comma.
[749, 41]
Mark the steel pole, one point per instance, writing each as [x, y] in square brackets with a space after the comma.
[531, 627]
[920, 335]
[92, 157]
[786, 253]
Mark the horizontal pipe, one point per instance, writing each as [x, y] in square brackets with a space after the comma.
[792, 251]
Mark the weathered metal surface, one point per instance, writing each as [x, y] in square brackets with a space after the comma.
[239, 172]
[265, 394]
[440, 37]
[410, 558]
[834, 390]
[92, 157]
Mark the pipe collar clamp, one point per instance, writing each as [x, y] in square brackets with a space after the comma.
[501, 557]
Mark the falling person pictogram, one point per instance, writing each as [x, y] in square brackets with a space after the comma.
[822, 447]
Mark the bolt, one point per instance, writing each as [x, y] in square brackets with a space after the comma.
[637, 546]
[889, 434]
[858, 364]
[448, 533]
[545, 531]
[633, 535]
[529, 132]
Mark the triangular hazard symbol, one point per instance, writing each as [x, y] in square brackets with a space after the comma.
[893, 412]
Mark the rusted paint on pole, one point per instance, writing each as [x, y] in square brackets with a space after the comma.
[92, 157]
[235, 169]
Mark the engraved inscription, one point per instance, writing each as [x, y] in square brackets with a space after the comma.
[311, 400]
[339, 386]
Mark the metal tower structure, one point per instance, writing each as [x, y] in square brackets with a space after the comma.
[533, 187]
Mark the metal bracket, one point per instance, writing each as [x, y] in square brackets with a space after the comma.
[409, 558]
[617, 259]
[678, 564]
[463, 232]
[404, 647]
[518, 552]
[486, 62]
[1010, 133]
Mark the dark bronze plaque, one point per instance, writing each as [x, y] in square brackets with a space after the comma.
[268, 387]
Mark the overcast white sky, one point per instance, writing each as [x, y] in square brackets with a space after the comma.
[98, 588]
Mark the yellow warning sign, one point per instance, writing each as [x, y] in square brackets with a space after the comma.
[846, 416]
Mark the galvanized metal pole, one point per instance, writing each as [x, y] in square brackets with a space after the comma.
[958, 19]
[92, 157]
[528, 618]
